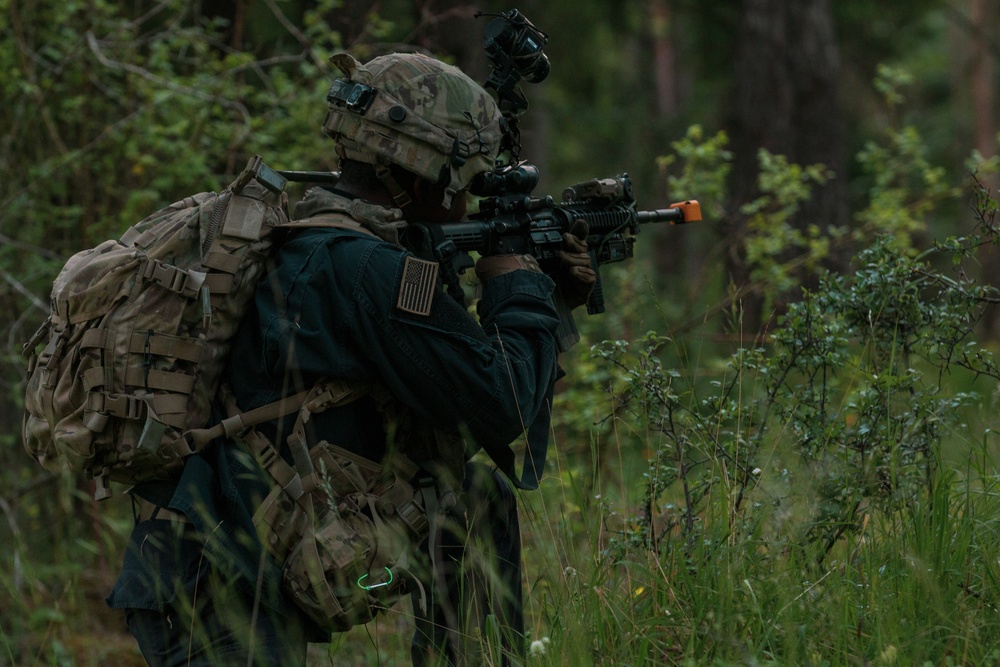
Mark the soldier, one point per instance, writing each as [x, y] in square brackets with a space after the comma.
[348, 301]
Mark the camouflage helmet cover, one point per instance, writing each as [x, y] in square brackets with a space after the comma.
[419, 113]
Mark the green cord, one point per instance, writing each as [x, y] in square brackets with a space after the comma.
[368, 588]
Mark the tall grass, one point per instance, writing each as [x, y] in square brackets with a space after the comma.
[913, 587]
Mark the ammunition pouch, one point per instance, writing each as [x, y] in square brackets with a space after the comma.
[342, 538]
[341, 525]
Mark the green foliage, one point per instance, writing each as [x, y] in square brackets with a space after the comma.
[135, 113]
[772, 237]
[705, 166]
[905, 186]
[823, 497]
[854, 376]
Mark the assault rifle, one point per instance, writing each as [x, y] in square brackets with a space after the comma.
[511, 221]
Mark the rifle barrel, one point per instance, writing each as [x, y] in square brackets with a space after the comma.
[674, 216]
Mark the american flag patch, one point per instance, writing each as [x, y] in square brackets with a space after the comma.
[416, 292]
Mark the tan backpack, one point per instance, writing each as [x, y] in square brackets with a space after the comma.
[139, 332]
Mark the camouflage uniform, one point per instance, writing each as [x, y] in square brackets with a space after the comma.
[331, 308]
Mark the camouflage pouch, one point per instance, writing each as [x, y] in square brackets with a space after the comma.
[342, 538]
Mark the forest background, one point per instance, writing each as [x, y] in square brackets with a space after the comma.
[776, 446]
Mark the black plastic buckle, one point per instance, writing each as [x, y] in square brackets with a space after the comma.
[357, 97]
[260, 172]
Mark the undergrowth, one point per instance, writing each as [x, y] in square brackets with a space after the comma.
[827, 495]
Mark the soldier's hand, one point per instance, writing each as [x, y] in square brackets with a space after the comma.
[576, 275]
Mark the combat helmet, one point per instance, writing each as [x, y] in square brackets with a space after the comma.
[416, 112]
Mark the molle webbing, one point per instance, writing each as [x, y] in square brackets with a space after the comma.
[140, 331]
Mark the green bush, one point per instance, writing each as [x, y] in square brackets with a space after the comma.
[825, 497]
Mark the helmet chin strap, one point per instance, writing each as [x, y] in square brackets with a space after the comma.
[400, 196]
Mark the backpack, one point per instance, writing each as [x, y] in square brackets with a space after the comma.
[139, 333]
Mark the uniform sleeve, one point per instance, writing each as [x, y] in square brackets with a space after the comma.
[492, 377]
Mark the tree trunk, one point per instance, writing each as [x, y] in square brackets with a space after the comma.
[785, 99]
[671, 250]
[661, 14]
[980, 80]
[982, 14]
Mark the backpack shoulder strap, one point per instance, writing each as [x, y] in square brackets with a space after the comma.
[329, 221]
